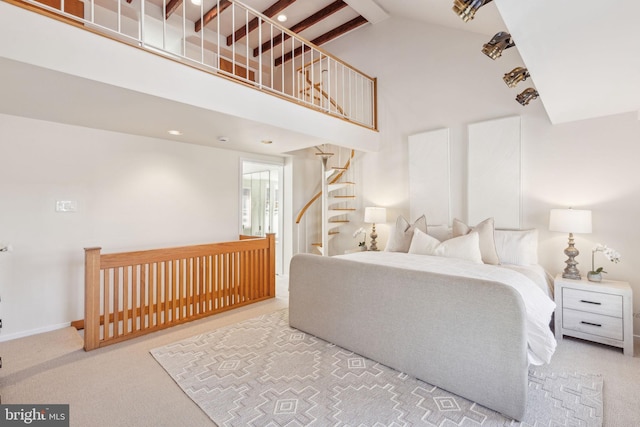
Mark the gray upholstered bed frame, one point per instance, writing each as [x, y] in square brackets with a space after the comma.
[466, 336]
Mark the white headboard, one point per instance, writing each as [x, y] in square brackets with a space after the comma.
[429, 176]
[493, 174]
[494, 165]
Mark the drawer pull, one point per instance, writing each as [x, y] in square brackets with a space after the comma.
[590, 324]
[590, 302]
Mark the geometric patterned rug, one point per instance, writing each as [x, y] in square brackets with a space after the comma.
[261, 372]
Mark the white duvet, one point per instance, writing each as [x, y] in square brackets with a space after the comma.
[539, 307]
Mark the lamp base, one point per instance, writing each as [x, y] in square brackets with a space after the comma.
[373, 246]
[568, 274]
[571, 272]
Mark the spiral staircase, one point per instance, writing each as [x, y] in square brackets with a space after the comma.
[328, 211]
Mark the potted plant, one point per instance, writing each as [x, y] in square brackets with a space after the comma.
[595, 275]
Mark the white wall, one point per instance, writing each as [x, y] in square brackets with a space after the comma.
[132, 193]
[431, 77]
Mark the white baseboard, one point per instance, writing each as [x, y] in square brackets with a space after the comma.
[34, 332]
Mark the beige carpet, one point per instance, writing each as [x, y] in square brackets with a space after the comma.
[122, 385]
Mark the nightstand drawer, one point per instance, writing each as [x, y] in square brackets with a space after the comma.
[592, 302]
[594, 324]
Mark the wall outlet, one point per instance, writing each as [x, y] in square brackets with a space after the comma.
[66, 206]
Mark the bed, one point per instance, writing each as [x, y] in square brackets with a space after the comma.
[456, 322]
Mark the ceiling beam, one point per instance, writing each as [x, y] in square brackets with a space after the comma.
[253, 24]
[302, 25]
[170, 8]
[326, 37]
[211, 14]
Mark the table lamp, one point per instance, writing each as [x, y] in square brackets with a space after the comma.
[570, 221]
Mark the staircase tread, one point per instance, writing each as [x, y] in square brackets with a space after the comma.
[344, 197]
[338, 220]
[342, 209]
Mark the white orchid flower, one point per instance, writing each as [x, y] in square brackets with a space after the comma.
[610, 253]
[359, 231]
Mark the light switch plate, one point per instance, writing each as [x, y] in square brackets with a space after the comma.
[66, 206]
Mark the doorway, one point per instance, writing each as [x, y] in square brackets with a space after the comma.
[261, 203]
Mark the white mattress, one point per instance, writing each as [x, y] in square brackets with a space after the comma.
[531, 284]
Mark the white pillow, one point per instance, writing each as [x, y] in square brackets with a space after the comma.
[400, 236]
[487, 243]
[463, 247]
[518, 247]
[423, 244]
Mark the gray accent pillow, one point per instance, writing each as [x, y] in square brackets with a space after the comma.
[441, 232]
[485, 230]
[401, 235]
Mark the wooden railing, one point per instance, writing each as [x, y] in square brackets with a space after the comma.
[134, 293]
[333, 180]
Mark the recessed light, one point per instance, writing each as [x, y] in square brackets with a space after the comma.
[223, 138]
[282, 17]
[267, 141]
[174, 132]
[196, 2]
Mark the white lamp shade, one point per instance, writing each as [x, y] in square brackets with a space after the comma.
[375, 215]
[570, 220]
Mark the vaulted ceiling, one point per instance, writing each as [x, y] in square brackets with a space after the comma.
[318, 21]
[583, 57]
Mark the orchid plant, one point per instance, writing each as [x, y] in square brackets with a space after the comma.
[610, 253]
[357, 233]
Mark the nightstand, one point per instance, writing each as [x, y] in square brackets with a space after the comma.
[596, 311]
[353, 251]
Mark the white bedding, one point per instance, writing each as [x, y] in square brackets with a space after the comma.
[537, 274]
[538, 305]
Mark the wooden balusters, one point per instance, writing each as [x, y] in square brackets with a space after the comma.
[130, 294]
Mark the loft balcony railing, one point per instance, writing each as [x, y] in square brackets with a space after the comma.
[228, 38]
